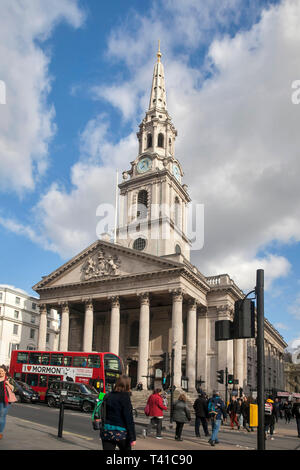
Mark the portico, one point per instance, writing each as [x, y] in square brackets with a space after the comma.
[99, 313]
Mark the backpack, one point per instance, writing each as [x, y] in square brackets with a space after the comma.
[212, 408]
[98, 416]
[268, 409]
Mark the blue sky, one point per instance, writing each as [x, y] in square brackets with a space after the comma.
[78, 77]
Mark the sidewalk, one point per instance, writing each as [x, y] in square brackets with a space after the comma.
[21, 434]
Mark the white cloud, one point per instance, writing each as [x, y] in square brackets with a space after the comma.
[238, 135]
[27, 120]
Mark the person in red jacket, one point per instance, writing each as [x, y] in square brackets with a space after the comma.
[156, 407]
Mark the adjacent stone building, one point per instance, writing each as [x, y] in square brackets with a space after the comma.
[140, 296]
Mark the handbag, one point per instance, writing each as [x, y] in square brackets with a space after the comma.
[10, 395]
[147, 410]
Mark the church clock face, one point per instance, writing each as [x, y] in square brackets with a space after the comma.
[144, 165]
[176, 172]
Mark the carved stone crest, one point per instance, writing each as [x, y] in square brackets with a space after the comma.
[99, 265]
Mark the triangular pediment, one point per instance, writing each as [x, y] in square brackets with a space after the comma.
[103, 260]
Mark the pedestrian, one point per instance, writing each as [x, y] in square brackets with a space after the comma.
[269, 418]
[287, 408]
[245, 412]
[276, 409]
[232, 410]
[6, 396]
[239, 414]
[216, 411]
[117, 429]
[296, 414]
[181, 415]
[156, 409]
[201, 411]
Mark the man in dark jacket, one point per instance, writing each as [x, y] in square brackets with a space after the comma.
[200, 407]
[296, 414]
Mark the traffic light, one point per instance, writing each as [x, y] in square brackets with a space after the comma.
[220, 376]
[165, 360]
[230, 379]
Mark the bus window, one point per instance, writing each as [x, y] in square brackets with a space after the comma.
[32, 380]
[68, 361]
[22, 358]
[56, 359]
[45, 359]
[35, 358]
[43, 381]
[93, 361]
[53, 378]
[112, 363]
[79, 361]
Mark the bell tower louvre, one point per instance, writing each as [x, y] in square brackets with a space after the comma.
[153, 208]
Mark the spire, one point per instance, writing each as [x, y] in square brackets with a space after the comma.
[158, 90]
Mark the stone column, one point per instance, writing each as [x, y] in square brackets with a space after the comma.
[144, 330]
[64, 327]
[177, 335]
[88, 326]
[114, 326]
[42, 328]
[191, 348]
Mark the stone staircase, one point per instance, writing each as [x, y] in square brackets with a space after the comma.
[139, 400]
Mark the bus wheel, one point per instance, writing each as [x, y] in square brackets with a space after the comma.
[51, 402]
[86, 406]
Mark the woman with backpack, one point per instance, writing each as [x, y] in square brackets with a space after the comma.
[117, 427]
[181, 415]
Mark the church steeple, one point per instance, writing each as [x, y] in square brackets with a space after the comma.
[153, 217]
[158, 90]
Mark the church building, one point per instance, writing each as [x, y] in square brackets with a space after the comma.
[140, 296]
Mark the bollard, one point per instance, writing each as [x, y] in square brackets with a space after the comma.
[63, 393]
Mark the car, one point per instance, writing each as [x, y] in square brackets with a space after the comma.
[24, 393]
[77, 395]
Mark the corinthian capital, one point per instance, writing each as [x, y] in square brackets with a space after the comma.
[115, 301]
[144, 298]
[177, 295]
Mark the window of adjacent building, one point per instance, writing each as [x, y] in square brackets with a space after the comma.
[16, 314]
[18, 300]
[1, 295]
[48, 323]
[32, 319]
[15, 329]
[160, 140]
[33, 306]
[32, 333]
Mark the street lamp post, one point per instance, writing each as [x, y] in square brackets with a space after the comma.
[260, 358]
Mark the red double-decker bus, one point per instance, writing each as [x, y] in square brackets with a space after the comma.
[39, 368]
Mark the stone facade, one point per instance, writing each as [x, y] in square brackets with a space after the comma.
[141, 297]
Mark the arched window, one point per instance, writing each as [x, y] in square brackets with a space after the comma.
[142, 208]
[177, 212]
[160, 140]
[134, 333]
[149, 140]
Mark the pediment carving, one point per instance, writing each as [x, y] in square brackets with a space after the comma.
[99, 265]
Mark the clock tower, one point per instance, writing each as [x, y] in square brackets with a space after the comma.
[153, 200]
